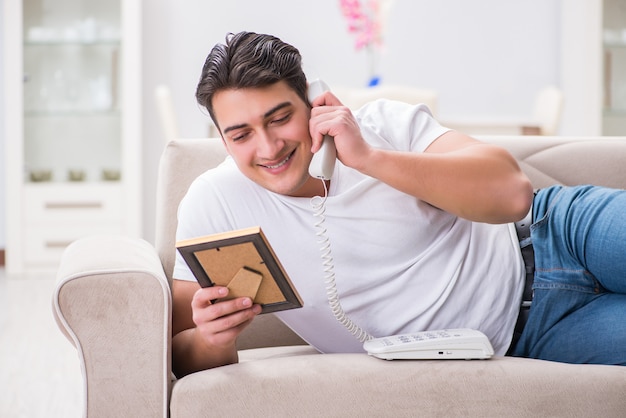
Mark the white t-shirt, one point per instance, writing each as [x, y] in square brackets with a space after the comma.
[400, 264]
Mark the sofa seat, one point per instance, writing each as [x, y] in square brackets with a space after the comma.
[297, 382]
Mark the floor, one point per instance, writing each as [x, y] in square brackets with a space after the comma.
[39, 369]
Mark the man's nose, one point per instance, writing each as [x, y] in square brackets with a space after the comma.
[268, 146]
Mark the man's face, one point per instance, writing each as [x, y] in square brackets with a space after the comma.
[266, 131]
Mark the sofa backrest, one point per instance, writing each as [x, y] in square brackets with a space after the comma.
[546, 160]
[568, 161]
[181, 162]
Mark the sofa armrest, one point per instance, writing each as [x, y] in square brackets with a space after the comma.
[113, 302]
[280, 383]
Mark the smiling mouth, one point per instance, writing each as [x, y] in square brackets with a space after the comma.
[280, 164]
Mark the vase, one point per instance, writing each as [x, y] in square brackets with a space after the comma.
[373, 58]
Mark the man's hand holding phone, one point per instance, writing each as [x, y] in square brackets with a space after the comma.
[333, 127]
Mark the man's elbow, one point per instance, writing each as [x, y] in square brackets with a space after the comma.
[512, 204]
[521, 199]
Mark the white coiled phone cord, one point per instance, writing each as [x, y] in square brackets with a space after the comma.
[318, 204]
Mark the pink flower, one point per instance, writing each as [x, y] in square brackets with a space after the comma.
[363, 22]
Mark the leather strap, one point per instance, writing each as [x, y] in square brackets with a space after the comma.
[528, 255]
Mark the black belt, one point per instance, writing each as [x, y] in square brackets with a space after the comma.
[528, 254]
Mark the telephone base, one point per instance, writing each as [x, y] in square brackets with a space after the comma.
[435, 355]
[459, 344]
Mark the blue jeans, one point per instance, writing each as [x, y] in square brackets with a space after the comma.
[578, 314]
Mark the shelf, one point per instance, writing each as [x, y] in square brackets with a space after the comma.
[72, 113]
[75, 184]
[80, 43]
[72, 72]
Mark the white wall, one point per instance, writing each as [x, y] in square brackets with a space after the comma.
[486, 58]
[2, 163]
[156, 68]
[581, 67]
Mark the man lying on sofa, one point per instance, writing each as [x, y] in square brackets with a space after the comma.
[421, 221]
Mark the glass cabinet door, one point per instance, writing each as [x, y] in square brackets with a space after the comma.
[72, 116]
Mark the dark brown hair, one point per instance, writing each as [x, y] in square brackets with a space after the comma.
[249, 60]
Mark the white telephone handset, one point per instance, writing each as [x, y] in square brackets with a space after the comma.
[323, 162]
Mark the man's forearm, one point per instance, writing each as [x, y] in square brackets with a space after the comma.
[190, 354]
[479, 182]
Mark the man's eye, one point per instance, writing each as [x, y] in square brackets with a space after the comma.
[239, 137]
[281, 119]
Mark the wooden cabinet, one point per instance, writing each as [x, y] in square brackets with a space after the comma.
[73, 125]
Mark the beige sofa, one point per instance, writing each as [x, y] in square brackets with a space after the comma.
[113, 302]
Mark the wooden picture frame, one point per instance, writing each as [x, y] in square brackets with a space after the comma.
[243, 261]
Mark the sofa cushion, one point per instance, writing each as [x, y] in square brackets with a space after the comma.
[303, 384]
